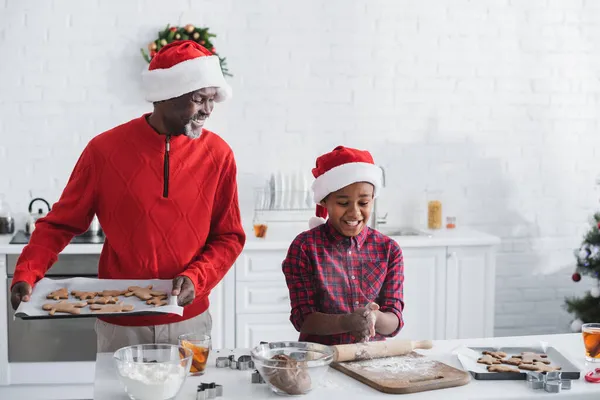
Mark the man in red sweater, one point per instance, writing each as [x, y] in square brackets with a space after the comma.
[165, 193]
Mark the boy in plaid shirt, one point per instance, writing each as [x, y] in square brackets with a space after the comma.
[345, 279]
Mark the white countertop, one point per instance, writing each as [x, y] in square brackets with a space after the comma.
[237, 384]
[443, 237]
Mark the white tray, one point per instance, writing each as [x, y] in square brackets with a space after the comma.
[33, 308]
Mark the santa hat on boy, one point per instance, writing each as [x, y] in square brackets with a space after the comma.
[182, 67]
[340, 168]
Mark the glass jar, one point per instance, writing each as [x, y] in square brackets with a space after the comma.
[434, 210]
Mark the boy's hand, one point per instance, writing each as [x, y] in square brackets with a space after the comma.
[361, 322]
[371, 315]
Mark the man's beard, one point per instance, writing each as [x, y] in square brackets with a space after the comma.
[189, 132]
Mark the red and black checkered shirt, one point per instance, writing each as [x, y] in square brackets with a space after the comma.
[334, 274]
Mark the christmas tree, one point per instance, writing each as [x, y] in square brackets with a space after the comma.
[586, 309]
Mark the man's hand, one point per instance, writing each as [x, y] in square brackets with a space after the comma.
[21, 291]
[184, 289]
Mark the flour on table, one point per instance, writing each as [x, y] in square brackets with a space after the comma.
[152, 381]
[393, 365]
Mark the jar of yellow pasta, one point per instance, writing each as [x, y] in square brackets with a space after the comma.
[434, 211]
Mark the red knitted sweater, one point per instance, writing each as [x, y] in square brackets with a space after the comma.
[166, 210]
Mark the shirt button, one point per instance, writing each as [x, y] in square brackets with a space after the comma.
[356, 302]
[352, 277]
[349, 252]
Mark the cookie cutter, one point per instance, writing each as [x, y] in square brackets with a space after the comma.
[593, 376]
[222, 362]
[257, 377]
[233, 364]
[209, 391]
[551, 382]
[244, 363]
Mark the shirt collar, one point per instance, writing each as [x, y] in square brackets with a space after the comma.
[155, 139]
[338, 238]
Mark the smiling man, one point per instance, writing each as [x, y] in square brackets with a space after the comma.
[165, 193]
[345, 279]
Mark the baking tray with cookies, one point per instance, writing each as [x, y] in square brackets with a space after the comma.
[91, 297]
[513, 363]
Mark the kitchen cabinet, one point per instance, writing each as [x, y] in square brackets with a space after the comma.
[448, 293]
[424, 293]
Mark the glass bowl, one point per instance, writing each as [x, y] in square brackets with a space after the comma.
[152, 371]
[292, 368]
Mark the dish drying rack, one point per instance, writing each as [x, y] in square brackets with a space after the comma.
[283, 205]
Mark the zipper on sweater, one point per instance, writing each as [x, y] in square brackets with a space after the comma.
[166, 166]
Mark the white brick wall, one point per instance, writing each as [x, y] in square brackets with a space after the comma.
[495, 102]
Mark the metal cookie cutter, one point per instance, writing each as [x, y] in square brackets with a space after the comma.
[244, 363]
[535, 380]
[551, 382]
[257, 377]
[209, 391]
[222, 362]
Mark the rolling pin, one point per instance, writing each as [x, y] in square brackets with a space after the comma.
[379, 349]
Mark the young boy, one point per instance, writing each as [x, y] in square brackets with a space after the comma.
[345, 279]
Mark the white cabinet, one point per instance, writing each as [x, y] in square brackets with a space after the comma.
[448, 294]
[262, 301]
[251, 329]
[424, 293]
[222, 305]
[470, 292]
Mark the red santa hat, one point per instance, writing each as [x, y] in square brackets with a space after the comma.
[182, 67]
[338, 169]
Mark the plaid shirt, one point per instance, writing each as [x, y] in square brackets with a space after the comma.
[334, 274]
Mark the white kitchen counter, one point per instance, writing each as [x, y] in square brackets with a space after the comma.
[443, 237]
[237, 384]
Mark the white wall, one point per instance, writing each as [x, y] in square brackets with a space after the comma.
[495, 102]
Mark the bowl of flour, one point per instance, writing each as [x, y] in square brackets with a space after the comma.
[152, 371]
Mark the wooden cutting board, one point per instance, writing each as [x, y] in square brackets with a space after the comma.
[404, 374]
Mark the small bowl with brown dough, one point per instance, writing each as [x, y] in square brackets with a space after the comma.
[292, 368]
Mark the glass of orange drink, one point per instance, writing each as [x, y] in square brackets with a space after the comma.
[591, 341]
[200, 345]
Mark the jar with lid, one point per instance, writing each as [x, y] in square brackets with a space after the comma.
[7, 221]
[434, 209]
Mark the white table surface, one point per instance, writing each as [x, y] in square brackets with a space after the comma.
[237, 384]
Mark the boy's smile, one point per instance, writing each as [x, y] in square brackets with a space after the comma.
[349, 208]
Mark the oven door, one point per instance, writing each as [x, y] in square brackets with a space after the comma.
[46, 340]
[51, 340]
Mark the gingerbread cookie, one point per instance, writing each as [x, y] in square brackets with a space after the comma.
[111, 308]
[513, 361]
[157, 301]
[83, 295]
[63, 307]
[496, 354]
[489, 360]
[144, 293]
[104, 300]
[59, 294]
[530, 358]
[539, 367]
[501, 368]
[112, 293]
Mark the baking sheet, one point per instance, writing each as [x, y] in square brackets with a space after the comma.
[468, 357]
[33, 308]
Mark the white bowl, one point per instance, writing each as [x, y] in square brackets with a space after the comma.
[152, 371]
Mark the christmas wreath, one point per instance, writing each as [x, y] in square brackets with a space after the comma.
[188, 32]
